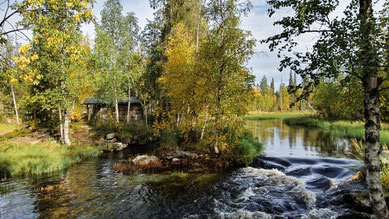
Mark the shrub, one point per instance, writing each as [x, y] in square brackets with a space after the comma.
[247, 149]
[170, 138]
[135, 132]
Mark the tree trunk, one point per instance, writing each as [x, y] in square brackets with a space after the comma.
[369, 62]
[116, 99]
[66, 128]
[372, 137]
[15, 105]
[116, 109]
[129, 105]
[145, 113]
[205, 123]
[60, 122]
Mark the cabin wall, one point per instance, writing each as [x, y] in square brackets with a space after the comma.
[103, 111]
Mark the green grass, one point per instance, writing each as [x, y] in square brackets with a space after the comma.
[7, 127]
[35, 159]
[15, 134]
[340, 128]
[277, 115]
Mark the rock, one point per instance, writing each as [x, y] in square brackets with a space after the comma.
[328, 171]
[143, 160]
[176, 161]
[180, 155]
[110, 136]
[300, 171]
[320, 183]
[118, 146]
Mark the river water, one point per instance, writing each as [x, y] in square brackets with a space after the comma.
[304, 174]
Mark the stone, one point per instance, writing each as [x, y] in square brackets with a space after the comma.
[118, 146]
[110, 136]
[144, 160]
[176, 161]
[180, 155]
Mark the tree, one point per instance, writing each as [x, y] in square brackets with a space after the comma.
[223, 55]
[9, 72]
[346, 45]
[56, 36]
[11, 10]
[272, 86]
[107, 49]
[130, 61]
[182, 83]
[264, 85]
[116, 40]
[291, 82]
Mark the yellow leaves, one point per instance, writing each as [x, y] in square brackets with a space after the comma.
[34, 57]
[76, 18]
[69, 5]
[88, 12]
[39, 76]
[24, 49]
[14, 80]
[84, 4]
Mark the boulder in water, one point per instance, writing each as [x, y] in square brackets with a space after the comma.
[110, 136]
[144, 160]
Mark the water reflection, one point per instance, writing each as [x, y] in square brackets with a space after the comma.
[282, 141]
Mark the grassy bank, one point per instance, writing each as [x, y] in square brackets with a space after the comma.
[22, 159]
[276, 115]
[340, 128]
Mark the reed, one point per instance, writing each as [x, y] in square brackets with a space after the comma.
[340, 128]
[276, 115]
[34, 159]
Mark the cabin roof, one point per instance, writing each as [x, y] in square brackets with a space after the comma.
[98, 101]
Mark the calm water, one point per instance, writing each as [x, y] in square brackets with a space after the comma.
[284, 141]
[300, 176]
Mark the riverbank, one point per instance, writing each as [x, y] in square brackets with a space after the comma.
[340, 128]
[276, 115]
[25, 152]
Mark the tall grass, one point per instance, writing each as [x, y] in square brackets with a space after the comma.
[340, 128]
[34, 159]
[276, 115]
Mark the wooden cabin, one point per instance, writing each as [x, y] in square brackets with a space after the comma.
[96, 105]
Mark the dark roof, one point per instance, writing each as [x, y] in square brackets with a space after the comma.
[96, 100]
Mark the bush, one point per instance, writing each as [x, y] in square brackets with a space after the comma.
[135, 132]
[247, 149]
[170, 138]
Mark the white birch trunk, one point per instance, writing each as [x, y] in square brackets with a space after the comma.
[15, 105]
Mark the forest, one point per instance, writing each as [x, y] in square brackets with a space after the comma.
[178, 98]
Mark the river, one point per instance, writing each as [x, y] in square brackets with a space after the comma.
[303, 174]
